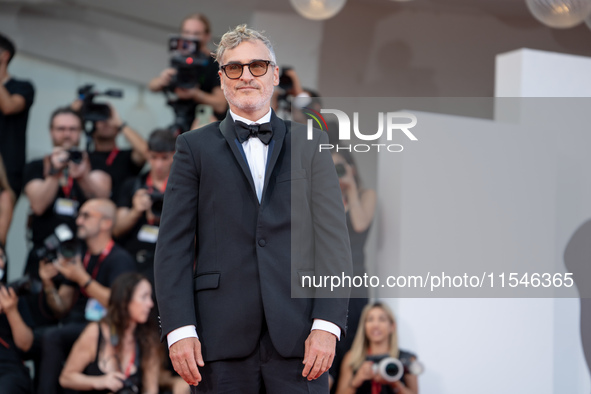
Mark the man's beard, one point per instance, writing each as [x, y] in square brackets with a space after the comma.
[246, 102]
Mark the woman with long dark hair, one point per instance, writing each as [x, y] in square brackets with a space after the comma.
[121, 351]
[376, 335]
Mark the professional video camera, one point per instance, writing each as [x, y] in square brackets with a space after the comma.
[62, 242]
[188, 61]
[190, 65]
[157, 201]
[392, 369]
[26, 285]
[92, 112]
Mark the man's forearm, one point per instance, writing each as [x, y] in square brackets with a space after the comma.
[21, 332]
[42, 193]
[10, 103]
[54, 300]
[138, 144]
[216, 99]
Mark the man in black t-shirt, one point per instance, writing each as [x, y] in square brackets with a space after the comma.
[60, 182]
[84, 295]
[208, 91]
[140, 203]
[120, 164]
[16, 98]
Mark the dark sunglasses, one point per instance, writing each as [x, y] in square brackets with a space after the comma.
[257, 68]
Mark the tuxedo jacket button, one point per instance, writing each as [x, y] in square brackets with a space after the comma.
[262, 242]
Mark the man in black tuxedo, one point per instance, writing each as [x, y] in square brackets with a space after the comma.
[247, 211]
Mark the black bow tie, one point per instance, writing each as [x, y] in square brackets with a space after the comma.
[263, 132]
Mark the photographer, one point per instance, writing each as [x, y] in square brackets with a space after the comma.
[140, 203]
[16, 337]
[16, 98]
[60, 182]
[376, 335]
[119, 353]
[120, 164]
[85, 293]
[207, 91]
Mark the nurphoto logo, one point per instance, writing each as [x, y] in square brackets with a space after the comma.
[392, 121]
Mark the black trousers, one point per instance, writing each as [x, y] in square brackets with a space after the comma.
[56, 345]
[15, 379]
[265, 371]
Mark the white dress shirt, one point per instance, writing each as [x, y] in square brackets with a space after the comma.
[256, 155]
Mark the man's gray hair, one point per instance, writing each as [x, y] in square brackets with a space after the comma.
[241, 33]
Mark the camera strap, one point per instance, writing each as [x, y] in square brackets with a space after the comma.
[106, 251]
[4, 343]
[112, 156]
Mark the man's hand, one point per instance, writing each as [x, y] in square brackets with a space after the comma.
[72, 269]
[163, 80]
[59, 158]
[186, 356]
[47, 271]
[141, 201]
[319, 353]
[194, 94]
[8, 299]
[78, 171]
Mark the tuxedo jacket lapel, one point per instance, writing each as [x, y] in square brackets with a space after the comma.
[227, 129]
[279, 133]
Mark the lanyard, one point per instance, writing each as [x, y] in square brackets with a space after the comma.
[3, 342]
[112, 156]
[130, 365]
[101, 258]
[67, 188]
[150, 183]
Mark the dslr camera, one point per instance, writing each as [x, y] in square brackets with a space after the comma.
[75, 155]
[61, 242]
[129, 387]
[157, 201]
[392, 369]
[26, 285]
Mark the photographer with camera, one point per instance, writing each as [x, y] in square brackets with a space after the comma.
[377, 339]
[60, 182]
[120, 164]
[16, 99]
[199, 84]
[119, 354]
[16, 336]
[84, 295]
[140, 204]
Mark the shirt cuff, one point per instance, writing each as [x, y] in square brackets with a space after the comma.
[181, 333]
[324, 325]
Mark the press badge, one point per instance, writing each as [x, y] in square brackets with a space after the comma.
[66, 207]
[94, 311]
[148, 234]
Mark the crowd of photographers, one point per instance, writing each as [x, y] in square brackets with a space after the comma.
[94, 216]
